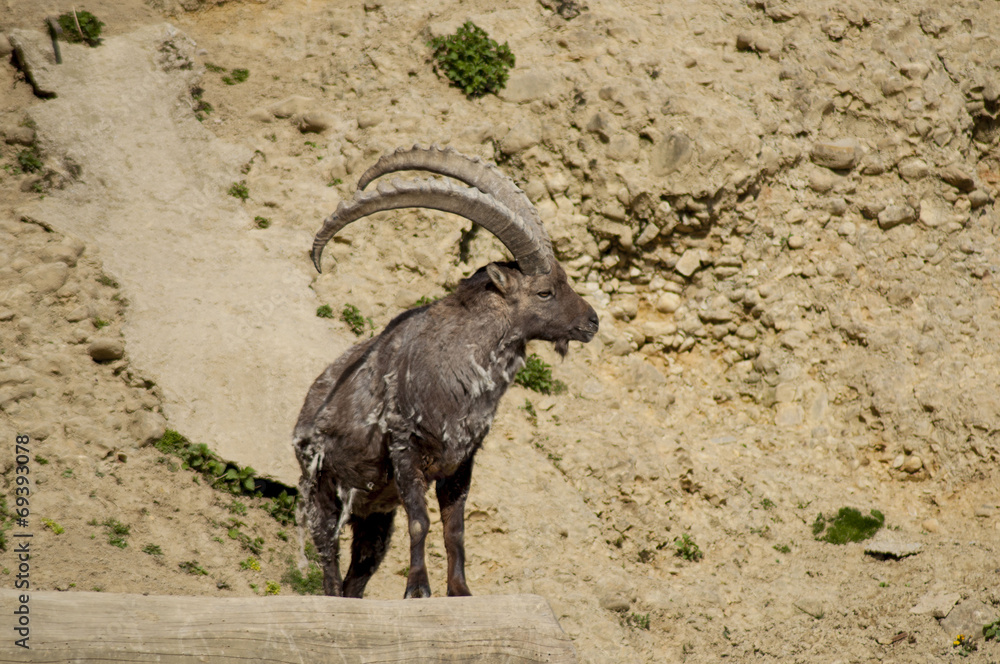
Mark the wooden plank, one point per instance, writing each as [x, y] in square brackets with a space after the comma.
[113, 627]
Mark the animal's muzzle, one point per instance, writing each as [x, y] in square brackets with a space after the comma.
[588, 329]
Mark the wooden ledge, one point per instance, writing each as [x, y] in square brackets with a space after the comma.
[114, 627]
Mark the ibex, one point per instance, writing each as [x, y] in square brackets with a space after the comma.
[412, 405]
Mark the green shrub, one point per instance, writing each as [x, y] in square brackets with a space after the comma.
[29, 161]
[537, 375]
[687, 549]
[849, 525]
[192, 567]
[324, 311]
[153, 549]
[117, 532]
[310, 583]
[89, 31]
[472, 61]
[352, 316]
[240, 190]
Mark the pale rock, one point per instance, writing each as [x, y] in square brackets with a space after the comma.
[954, 175]
[58, 253]
[147, 427]
[689, 262]
[968, 618]
[47, 278]
[938, 605]
[291, 107]
[912, 168]
[106, 350]
[788, 415]
[842, 154]
[931, 525]
[894, 215]
[668, 302]
[315, 122]
[525, 134]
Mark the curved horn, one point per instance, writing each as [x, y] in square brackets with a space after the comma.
[473, 171]
[516, 234]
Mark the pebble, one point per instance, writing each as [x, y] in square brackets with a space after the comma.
[147, 427]
[894, 215]
[47, 278]
[957, 177]
[931, 525]
[842, 154]
[796, 242]
[938, 605]
[912, 168]
[315, 122]
[525, 134]
[106, 350]
[689, 262]
[668, 302]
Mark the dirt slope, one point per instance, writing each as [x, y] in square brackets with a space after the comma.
[784, 214]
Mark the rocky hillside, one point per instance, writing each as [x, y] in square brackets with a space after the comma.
[785, 214]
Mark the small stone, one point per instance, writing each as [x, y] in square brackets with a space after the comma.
[668, 302]
[689, 262]
[938, 605]
[912, 168]
[19, 135]
[746, 331]
[147, 427]
[911, 464]
[978, 198]
[370, 119]
[915, 71]
[957, 177]
[525, 134]
[788, 415]
[47, 278]
[837, 155]
[968, 618]
[315, 122]
[889, 546]
[796, 242]
[931, 526]
[59, 253]
[984, 511]
[106, 350]
[894, 215]
[290, 107]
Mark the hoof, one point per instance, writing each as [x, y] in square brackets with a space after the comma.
[418, 592]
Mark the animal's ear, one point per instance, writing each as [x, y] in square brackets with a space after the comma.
[498, 278]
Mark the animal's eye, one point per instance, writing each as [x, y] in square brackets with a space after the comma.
[545, 294]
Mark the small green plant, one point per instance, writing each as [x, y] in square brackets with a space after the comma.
[324, 311]
[250, 563]
[637, 620]
[782, 548]
[105, 280]
[201, 107]
[334, 182]
[472, 60]
[239, 190]
[992, 631]
[529, 410]
[117, 532]
[152, 549]
[262, 222]
[81, 27]
[100, 323]
[767, 504]
[965, 645]
[282, 508]
[236, 507]
[352, 316]
[425, 300]
[192, 567]
[53, 526]
[849, 525]
[40, 460]
[68, 472]
[537, 375]
[310, 583]
[214, 68]
[254, 545]
[236, 76]
[29, 160]
[687, 549]
[272, 588]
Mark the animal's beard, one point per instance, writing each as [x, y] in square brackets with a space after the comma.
[562, 347]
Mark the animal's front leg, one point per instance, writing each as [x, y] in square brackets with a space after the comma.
[412, 485]
[451, 494]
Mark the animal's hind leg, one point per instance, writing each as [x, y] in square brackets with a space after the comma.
[371, 535]
[412, 485]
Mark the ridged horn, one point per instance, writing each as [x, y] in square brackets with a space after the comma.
[518, 235]
[473, 171]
